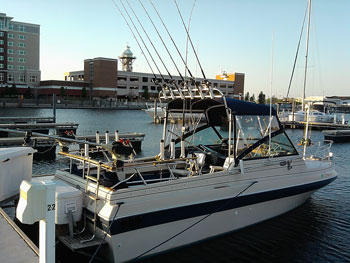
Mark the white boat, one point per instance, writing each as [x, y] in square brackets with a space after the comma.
[314, 116]
[159, 113]
[221, 181]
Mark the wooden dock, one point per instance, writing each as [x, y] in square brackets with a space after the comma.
[15, 246]
[315, 125]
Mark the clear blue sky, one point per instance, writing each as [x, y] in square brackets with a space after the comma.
[234, 35]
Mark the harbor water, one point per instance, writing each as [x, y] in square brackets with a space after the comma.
[318, 231]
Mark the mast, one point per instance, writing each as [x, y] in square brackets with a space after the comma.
[307, 52]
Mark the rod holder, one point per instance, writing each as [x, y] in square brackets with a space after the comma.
[172, 149]
[116, 135]
[107, 137]
[162, 150]
[97, 137]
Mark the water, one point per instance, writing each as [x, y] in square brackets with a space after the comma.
[318, 231]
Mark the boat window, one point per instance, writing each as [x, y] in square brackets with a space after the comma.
[206, 137]
[280, 146]
[252, 128]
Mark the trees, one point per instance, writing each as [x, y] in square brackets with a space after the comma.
[83, 93]
[146, 93]
[62, 92]
[261, 98]
[252, 98]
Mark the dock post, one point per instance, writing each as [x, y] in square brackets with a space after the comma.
[343, 119]
[155, 111]
[47, 226]
[54, 107]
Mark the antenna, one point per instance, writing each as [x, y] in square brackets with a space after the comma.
[189, 23]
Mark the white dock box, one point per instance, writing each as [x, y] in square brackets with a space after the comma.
[68, 199]
[15, 166]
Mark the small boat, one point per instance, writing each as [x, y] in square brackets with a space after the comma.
[314, 116]
[159, 113]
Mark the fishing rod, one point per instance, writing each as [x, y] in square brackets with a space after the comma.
[177, 49]
[138, 43]
[189, 23]
[197, 84]
[189, 38]
[149, 17]
[149, 39]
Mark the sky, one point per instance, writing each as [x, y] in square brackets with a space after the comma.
[254, 37]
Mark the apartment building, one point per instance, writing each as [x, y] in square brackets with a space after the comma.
[19, 53]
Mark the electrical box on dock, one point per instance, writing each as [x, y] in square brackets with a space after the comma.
[32, 202]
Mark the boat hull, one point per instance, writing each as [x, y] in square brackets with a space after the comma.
[157, 222]
[127, 246]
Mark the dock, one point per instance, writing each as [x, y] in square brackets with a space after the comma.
[15, 246]
[337, 135]
[315, 125]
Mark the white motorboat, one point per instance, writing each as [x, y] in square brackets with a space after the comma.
[159, 113]
[216, 181]
[314, 116]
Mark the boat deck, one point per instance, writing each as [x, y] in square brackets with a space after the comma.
[13, 243]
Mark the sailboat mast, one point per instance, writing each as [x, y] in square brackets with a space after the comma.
[307, 52]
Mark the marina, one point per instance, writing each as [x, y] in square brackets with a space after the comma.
[202, 172]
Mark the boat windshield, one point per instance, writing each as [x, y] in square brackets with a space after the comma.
[253, 129]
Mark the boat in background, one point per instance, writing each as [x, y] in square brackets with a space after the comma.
[314, 116]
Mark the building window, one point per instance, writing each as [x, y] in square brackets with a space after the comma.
[1, 50]
[1, 65]
[10, 59]
[10, 78]
[21, 60]
[121, 87]
[122, 78]
[21, 28]
[1, 24]
[1, 76]
[10, 51]
[144, 79]
[21, 67]
[21, 37]
[1, 42]
[10, 67]
[10, 35]
[1, 58]
[1, 34]
[21, 45]
[10, 44]
[12, 26]
[33, 78]
[134, 79]
[21, 52]
[22, 78]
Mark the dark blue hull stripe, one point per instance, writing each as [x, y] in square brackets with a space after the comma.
[125, 224]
